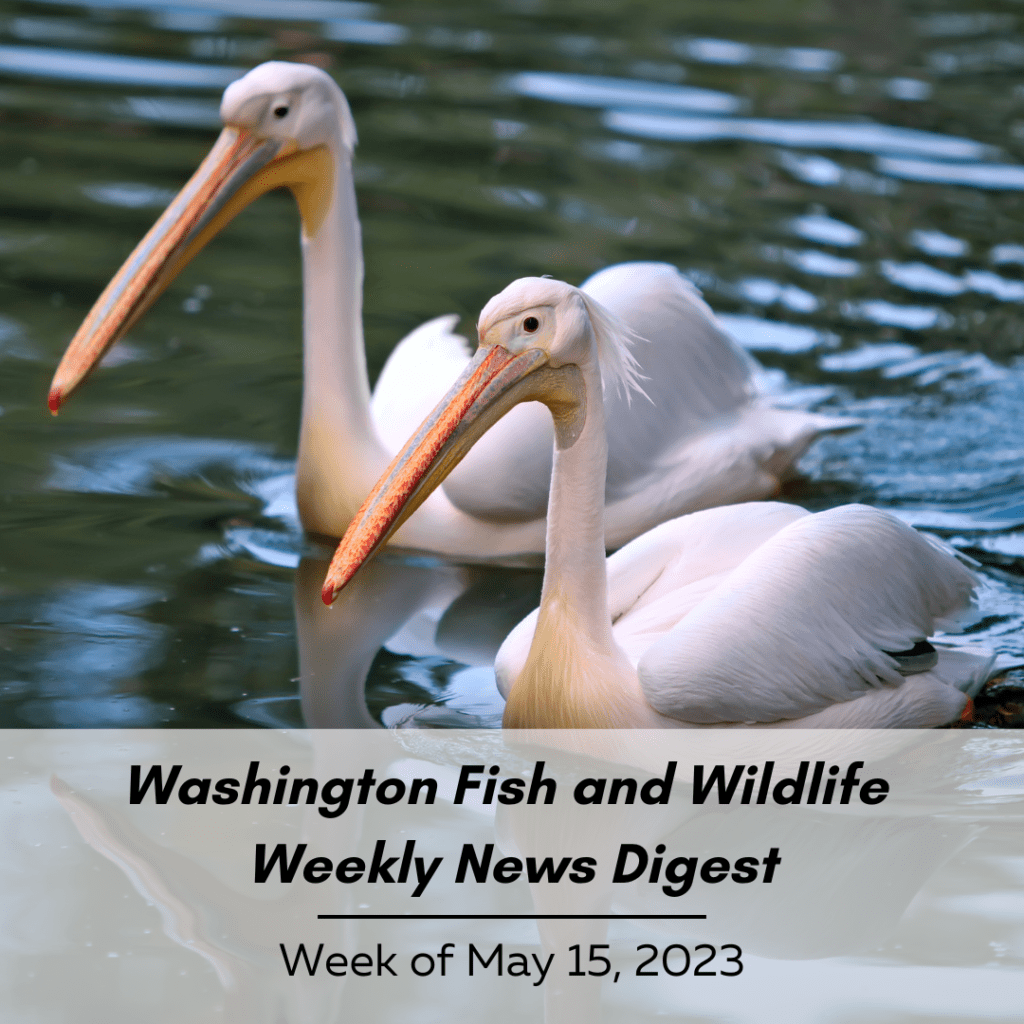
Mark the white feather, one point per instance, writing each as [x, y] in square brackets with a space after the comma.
[613, 339]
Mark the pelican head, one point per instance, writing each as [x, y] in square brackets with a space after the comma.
[563, 322]
[540, 341]
[285, 125]
[297, 105]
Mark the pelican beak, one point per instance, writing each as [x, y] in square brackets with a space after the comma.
[240, 168]
[494, 381]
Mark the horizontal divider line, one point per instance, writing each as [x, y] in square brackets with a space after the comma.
[512, 917]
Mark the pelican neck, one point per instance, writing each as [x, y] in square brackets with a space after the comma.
[575, 570]
[340, 453]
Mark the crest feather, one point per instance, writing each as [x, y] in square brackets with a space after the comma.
[614, 341]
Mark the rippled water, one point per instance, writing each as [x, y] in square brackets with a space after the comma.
[842, 180]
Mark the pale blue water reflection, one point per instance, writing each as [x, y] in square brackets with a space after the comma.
[37, 62]
[594, 91]
[843, 189]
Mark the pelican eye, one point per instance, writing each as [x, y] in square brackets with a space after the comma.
[530, 324]
[280, 111]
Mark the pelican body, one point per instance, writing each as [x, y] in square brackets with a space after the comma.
[703, 438]
[754, 614]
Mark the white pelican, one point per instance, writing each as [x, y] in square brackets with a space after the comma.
[751, 614]
[703, 441]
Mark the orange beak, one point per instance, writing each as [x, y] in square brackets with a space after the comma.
[238, 169]
[494, 381]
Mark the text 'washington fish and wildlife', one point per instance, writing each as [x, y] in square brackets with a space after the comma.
[817, 783]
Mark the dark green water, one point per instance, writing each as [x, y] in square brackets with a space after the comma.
[842, 179]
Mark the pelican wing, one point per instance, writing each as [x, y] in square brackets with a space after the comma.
[804, 621]
[706, 441]
[417, 374]
[687, 551]
[694, 373]
[741, 459]
[655, 580]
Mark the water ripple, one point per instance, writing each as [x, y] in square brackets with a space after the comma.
[130, 194]
[827, 230]
[167, 110]
[370, 33]
[113, 69]
[860, 138]
[892, 314]
[595, 91]
[761, 335]
[292, 10]
[728, 51]
[938, 243]
[137, 465]
[989, 176]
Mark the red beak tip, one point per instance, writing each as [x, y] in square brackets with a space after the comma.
[328, 594]
[55, 400]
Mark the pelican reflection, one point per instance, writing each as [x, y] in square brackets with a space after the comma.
[429, 629]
